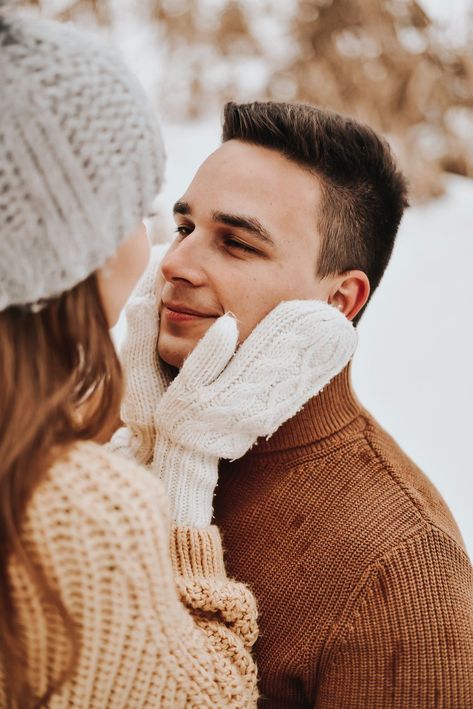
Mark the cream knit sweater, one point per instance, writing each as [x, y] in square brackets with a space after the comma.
[98, 527]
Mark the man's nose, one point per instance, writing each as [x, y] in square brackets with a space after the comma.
[183, 262]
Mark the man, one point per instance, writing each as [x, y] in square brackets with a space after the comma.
[364, 587]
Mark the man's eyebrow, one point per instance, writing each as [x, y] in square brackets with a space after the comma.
[241, 221]
[182, 208]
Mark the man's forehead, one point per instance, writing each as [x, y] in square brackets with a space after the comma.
[256, 184]
[255, 172]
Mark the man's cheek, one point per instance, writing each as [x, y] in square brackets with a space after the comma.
[250, 319]
[246, 327]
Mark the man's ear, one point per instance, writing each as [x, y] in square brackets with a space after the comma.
[350, 293]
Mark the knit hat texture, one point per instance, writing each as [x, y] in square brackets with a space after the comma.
[81, 156]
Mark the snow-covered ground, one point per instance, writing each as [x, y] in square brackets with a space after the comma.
[413, 368]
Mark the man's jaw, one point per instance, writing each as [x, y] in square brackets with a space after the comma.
[176, 342]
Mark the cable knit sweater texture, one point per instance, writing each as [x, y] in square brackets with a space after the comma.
[364, 587]
[98, 527]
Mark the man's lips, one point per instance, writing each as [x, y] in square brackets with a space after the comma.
[176, 312]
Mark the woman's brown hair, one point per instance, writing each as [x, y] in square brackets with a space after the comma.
[60, 382]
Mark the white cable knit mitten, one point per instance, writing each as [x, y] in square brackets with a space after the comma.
[223, 400]
[145, 382]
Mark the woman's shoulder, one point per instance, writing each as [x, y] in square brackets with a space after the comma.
[95, 486]
[93, 468]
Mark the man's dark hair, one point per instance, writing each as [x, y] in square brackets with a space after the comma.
[363, 192]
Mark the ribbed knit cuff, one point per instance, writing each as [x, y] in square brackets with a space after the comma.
[189, 478]
[197, 552]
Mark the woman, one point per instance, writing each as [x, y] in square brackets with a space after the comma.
[89, 611]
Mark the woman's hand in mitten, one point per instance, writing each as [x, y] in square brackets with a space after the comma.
[146, 379]
[225, 397]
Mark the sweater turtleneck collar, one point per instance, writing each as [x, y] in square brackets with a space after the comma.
[330, 411]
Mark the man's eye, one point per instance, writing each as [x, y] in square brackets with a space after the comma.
[234, 244]
[183, 230]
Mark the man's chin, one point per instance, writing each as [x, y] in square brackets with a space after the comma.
[173, 353]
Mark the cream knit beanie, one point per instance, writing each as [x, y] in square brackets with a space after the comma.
[81, 156]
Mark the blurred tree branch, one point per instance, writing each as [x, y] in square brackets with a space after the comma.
[383, 61]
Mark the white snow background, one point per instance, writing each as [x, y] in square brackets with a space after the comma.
[413, 367]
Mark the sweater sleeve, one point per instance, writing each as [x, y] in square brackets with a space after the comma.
[409, 640]
[99, 530]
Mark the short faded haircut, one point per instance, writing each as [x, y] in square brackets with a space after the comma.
[364, 194]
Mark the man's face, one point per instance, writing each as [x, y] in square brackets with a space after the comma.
[247, 239]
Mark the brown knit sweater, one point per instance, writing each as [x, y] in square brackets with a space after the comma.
[365, 590]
